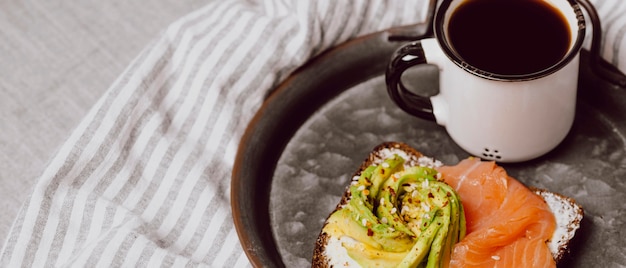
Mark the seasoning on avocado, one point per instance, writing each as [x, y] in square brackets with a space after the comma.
[399, 217]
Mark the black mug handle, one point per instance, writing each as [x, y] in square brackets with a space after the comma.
[600, 67]
[404, 58]
[408, 56]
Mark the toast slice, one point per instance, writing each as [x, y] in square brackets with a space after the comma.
[329, 253]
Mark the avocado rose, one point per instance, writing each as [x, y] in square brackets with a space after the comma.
[399, 217]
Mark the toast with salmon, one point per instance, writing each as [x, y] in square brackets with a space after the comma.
[403, 209]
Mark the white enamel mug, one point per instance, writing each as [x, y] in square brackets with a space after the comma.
[501, 117]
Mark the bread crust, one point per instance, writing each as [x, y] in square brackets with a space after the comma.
[569, 215]
[558, 204]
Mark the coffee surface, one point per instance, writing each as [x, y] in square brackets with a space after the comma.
[509, 37]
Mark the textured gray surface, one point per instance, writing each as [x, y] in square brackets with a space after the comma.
[56, 60]
[317, 163]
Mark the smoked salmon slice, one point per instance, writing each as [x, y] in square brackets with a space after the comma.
[507, 224]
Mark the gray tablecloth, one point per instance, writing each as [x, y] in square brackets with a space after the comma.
[143, 178]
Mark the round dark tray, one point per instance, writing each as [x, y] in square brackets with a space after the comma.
[312, 133]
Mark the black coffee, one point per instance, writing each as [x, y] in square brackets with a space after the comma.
[509, 36]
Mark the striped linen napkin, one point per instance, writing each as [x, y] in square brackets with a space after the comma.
[144, 180]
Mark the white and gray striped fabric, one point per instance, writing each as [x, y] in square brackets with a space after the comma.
[144, 180]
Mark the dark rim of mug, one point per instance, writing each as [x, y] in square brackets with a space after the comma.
[443, 42]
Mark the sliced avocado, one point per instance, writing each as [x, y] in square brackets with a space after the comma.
[362, 205]
[453, 228]
[341, 223]
[375, 225]
[392, 189]
[423, 245]
[383, 172]
[444, 205]
[368, 256]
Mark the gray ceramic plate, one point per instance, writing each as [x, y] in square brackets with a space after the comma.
[312, 133]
